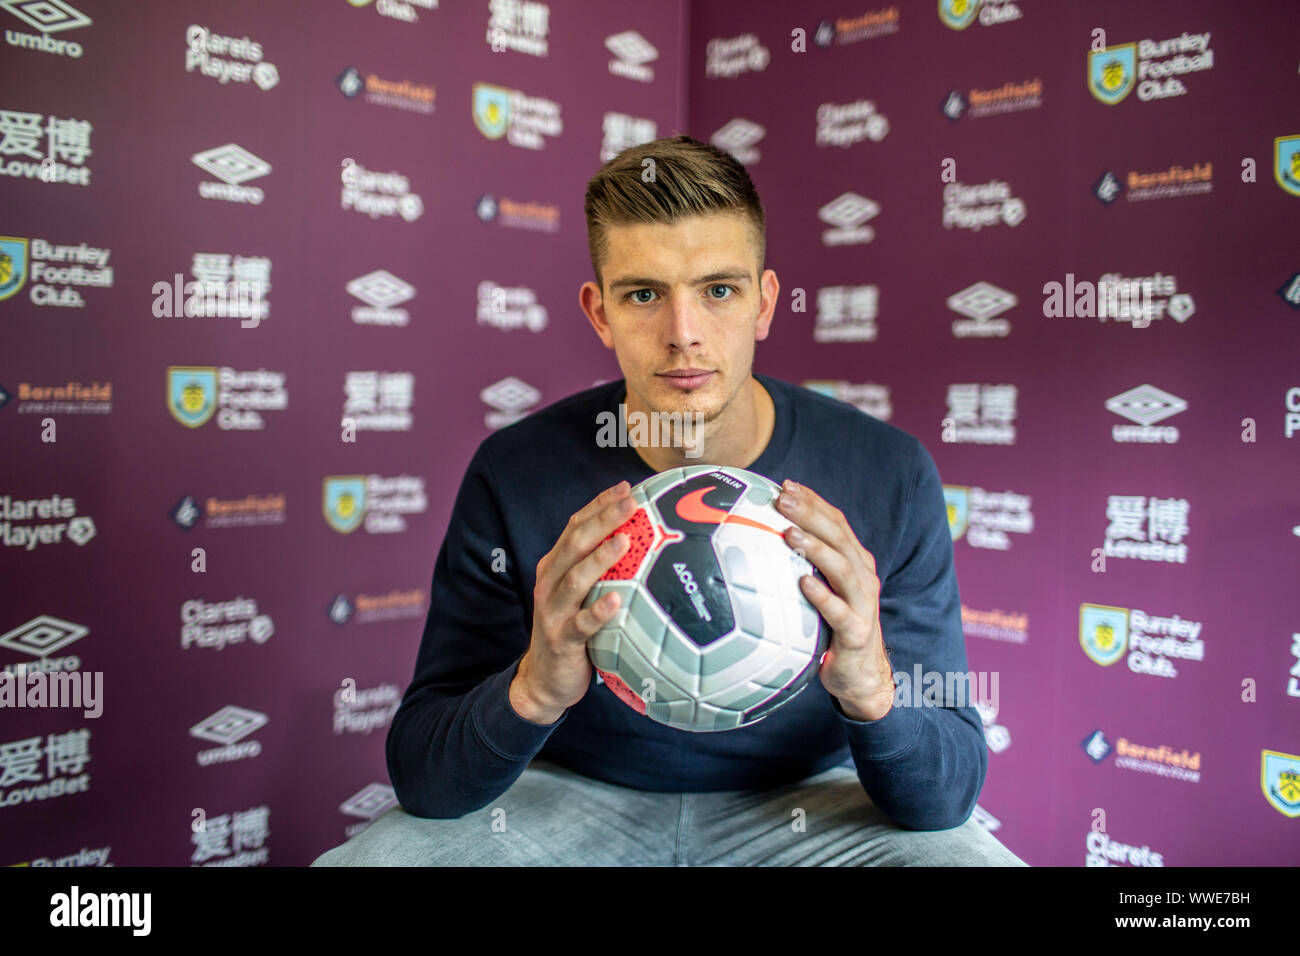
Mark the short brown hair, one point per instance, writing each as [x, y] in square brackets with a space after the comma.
[690, 178]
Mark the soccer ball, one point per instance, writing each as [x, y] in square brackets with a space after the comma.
[712, 631]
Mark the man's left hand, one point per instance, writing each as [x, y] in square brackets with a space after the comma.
[855, 670]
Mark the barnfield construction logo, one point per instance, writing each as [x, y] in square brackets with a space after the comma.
[1010, 97]
[398, 94]
[374, 608]
[996, 625]
[246, 512]
[1161, 761]
[865, 26]
[67, 398]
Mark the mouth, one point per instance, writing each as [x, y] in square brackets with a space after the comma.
[687, 378]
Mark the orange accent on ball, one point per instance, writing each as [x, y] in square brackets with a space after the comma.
[622, 691]
[642, 535]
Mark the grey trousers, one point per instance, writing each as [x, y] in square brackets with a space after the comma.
[553, 816]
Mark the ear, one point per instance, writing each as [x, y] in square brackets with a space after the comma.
[771, 289]
[593, 306]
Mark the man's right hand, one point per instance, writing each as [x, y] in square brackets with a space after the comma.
[555, 672]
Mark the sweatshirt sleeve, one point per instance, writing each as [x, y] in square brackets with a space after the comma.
[455, 743]
[925, 765]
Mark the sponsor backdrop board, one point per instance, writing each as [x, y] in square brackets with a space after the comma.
[270, 271]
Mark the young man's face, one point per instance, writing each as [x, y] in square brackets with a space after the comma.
[682, 307]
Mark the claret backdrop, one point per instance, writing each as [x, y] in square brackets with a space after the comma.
[269, 271]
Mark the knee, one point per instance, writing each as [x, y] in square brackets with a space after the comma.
[397, 839]
[968, 845]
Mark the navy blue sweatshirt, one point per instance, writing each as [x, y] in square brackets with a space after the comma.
[456, 744]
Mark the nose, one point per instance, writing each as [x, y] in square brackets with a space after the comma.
[684, 322]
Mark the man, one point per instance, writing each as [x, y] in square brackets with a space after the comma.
[507, 750]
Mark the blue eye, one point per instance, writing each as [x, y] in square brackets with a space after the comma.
[638, 292]
[723, 298]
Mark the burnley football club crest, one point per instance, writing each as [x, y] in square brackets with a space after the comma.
[958, 14]
[1286, 165]
[957, 500]
[1113, 72]
[1103, 632]
[344, 502]
[1279, 778]
[13, 265]
[491, 109]
[191, 393]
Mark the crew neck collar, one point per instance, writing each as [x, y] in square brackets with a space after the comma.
[770, 462]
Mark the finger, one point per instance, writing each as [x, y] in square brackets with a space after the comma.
[850, 580]
[608, 511]
[580, 541]
[815, 514]
[588, 621]
[603, 500]
[850, 631]
[568, 596]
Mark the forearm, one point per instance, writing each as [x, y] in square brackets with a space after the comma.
[448, 756]
[923, 766]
